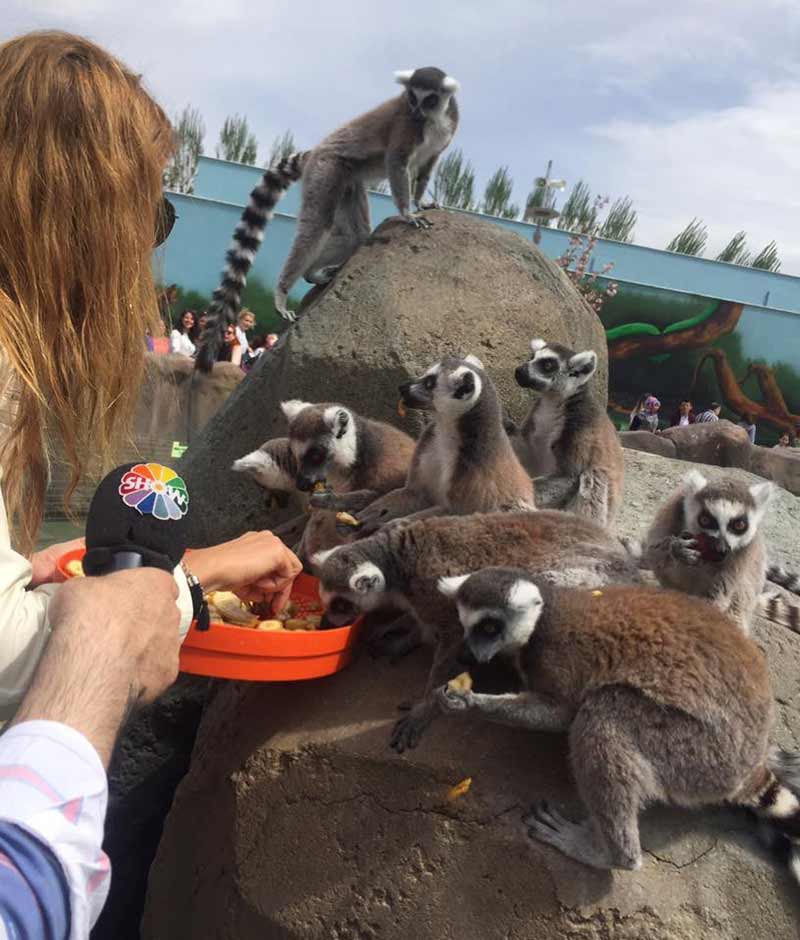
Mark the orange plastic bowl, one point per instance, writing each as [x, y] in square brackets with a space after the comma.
[225, 651]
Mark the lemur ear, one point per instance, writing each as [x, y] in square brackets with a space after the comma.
[450, 85]
[293, 407]
[449, 586]
[474, 361]
[403, 78]
[537, 344]
[341, 420]
[583, 364]
[367, 579]
[318, 559]
[694, 481]
[762, 493]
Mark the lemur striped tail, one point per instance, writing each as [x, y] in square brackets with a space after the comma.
[227, 298]
[778, 609]
[785, 578]
[778, 805]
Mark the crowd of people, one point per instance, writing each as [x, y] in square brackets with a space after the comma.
[237, 347]
[645, 417]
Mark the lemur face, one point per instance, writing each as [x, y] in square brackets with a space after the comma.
[321, 437]
[498, 609]
[723, 516]
[428, 91]
[450, 387]
[555, 368]
[349, 583]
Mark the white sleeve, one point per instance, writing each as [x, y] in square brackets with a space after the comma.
[184, 602]
[175, 341]
[24, 627]
[53, 784]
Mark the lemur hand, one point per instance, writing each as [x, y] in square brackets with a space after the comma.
[685, 550]
[450, 700]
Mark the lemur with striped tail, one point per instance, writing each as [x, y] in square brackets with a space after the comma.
[400, 140]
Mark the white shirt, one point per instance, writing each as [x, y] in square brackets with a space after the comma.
[242, 337]
[684, 421]
[180, 343]
[52, 783]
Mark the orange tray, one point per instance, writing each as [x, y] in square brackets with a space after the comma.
[225, 651]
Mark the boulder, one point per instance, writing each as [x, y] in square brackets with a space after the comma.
[779, 464]
[718, 443]
[405, 299]
[313, 829]
[648, 442]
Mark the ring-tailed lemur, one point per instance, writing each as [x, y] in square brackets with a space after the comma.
[706, 540]
[400, 566]
[634, 675]
[567, 442]
[328, 443]
[400, 140]
[464, 461]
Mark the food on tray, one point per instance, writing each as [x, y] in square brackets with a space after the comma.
[270, 625]
[225, 607]
[231, 609]
[461, 683]
[75, 568]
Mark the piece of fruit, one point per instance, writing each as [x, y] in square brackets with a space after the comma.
[320, 487]
[346, 519]
[461, 683]
[232, 609]
[401, 408]
[295, 624]
[269, 625]
[459, 789]
[75, 568]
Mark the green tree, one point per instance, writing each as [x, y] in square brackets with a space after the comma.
[497, 195]
[236, 142]
[282, 146]
[620, 221]
[767, 259]
[691, 240]
[735, 252]
[540, 197]
[454, 182]
[189, 133]
[579, 213]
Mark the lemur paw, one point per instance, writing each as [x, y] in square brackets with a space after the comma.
[324, 499]
[415, 221]
[287, 314]
[408, 731]
[685, 550]
[450, 700]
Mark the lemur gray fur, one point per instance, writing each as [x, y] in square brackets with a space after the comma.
[464, 461]
[661, 700]
[332, 444]
[567, 442]
[400, 140]
[706, 540]
[400, 566]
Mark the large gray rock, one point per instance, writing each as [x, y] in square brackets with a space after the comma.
[405, 299]
[649, 443]
[718, 443]
[296, 821]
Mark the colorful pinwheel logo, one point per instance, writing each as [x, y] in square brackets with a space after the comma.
[154, 490]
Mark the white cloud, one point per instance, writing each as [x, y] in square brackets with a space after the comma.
[735, 168]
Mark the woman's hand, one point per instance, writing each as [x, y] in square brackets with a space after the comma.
[45, 563]
[257, 566]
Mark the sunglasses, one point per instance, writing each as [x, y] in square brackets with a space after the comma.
[165, 220]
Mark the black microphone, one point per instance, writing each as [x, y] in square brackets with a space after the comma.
[137, 519]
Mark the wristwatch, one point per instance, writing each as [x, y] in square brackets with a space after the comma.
[199, 605]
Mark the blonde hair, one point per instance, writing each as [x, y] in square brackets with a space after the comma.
[82, 149]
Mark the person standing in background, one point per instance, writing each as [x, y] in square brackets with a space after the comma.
[712, 414]
[180, 341]
[748, 423]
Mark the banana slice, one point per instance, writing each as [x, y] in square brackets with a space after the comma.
[461, 683]
[270, 625]
[346, 519]
[231, 609]
[75, 568]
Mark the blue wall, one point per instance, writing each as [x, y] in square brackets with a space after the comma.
[193, 255]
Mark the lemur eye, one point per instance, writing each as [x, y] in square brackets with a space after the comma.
[548, 365]
[429, 383]
[315, 455]
[706, 521]
[738, 525]
[491, 627]
[430, 101]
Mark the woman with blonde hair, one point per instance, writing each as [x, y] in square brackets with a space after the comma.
[82, 151]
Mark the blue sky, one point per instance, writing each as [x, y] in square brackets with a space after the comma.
[691, 107]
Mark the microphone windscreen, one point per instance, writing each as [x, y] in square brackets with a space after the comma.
[137, 508]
